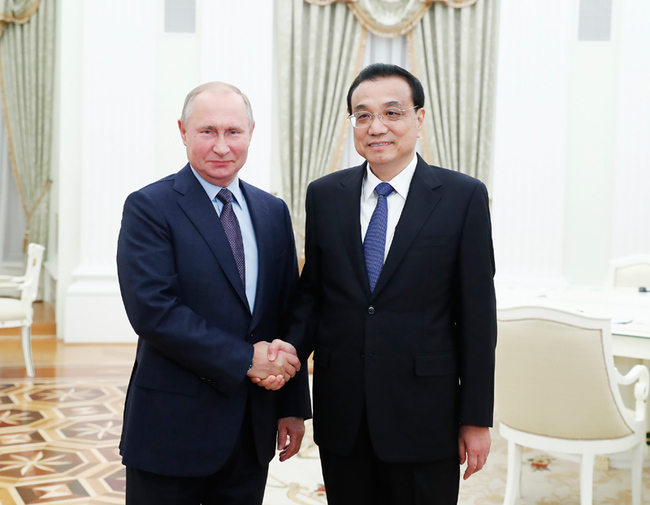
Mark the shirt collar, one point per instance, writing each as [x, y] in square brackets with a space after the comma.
[401, 182]
[212, 190]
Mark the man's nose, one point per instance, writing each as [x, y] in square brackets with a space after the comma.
[376, 125]
[220, 145]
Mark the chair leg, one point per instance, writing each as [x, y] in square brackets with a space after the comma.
[587, 479]
[637, 473]
[26, 337]
[513, 479]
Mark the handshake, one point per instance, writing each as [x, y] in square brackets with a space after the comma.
[273, 364]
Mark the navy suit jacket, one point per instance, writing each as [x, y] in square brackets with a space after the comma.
[419, 350]
[184, 298]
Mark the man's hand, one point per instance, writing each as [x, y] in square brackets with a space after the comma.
[474, 447]
[290, 429]
[273, 364]
[275, 382]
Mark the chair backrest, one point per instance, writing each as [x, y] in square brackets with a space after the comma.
[631, 271]
[32, 273]
[555, 375]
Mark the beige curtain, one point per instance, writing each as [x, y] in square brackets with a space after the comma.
[27, 30]
[391, 18]
[320, 51]
[453, 53]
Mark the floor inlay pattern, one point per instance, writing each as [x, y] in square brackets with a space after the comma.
[59, 438]
[58, 441]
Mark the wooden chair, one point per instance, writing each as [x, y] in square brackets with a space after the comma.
[557, 390]
[631, 271]
[19, 312]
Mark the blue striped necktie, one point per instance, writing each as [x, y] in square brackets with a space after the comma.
[233, 232]
[374, 243]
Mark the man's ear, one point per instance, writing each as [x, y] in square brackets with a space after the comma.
[181, 128]
[420, 119]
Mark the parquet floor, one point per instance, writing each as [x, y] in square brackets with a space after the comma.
[59, 430]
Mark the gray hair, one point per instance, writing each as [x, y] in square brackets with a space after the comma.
[189, 99]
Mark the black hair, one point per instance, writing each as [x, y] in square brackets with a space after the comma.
[382, 70]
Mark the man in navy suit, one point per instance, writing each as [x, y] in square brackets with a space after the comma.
[396, 299]
[207, 265]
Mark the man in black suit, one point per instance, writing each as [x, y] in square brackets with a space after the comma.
[207, 266]
[396, 299]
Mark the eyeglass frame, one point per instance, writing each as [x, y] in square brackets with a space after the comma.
[353, 122]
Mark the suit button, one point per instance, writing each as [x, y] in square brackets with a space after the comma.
[250, 337]
[371, 310]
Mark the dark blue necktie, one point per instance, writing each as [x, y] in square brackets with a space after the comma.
[233, 232]
[374, 243]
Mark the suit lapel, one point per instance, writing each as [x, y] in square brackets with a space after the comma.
[199, 209]
[349, 210]
[421, 201]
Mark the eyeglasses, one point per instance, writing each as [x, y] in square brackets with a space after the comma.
[363, 119]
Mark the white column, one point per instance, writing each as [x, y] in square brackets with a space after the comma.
[590, 156]
[631, 214]
[117, 142]
[531, 140]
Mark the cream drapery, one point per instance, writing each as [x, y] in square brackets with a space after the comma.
[27, 80]
[453, 53]
[320, 50]
[391, 18]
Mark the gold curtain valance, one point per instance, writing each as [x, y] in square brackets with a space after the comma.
[391, 18]
[16, 11]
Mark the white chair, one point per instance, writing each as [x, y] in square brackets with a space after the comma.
[19, 312]
[631, 271]
[557, 390]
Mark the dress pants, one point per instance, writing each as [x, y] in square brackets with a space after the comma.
[361, 478]
[241, 481]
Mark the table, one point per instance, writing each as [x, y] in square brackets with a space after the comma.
[628, 309]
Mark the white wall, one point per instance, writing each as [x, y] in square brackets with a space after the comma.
[572, 154]
[632, 150]
[531, 140]
[589, 177]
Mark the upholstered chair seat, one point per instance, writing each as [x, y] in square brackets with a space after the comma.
[557, 390]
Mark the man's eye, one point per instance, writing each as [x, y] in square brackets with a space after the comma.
[392, 113]
[363, 116]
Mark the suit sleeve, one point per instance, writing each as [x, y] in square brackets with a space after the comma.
[295, 399]
[152, 294]
[476, 313]
[306, 304]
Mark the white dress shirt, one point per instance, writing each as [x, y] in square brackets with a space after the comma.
[395, 201]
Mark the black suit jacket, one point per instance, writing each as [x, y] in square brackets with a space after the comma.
[419, 350]
[184, 298]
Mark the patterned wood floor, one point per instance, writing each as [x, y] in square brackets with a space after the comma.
[59, 441]
[59, 431]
